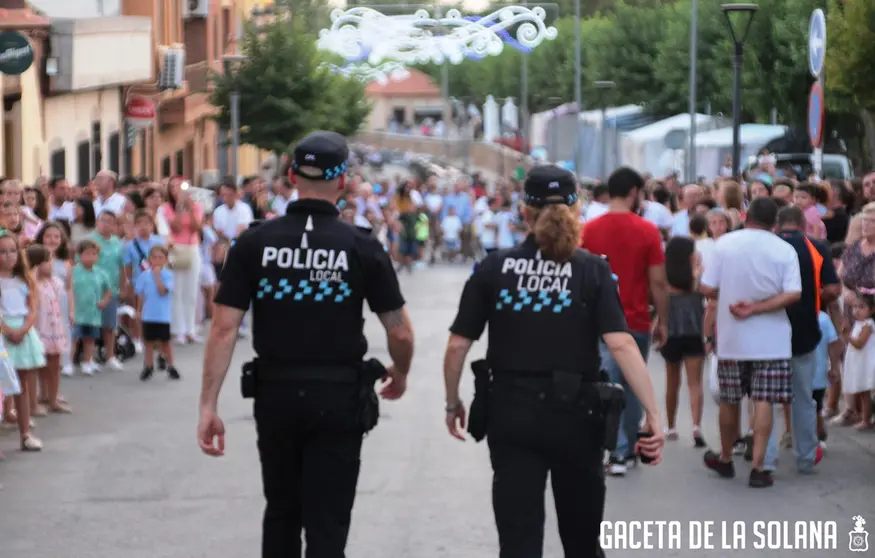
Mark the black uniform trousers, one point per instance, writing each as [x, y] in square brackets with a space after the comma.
[309, 444]
[529, 435]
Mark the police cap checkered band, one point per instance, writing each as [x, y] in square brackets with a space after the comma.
[549, 184]
[326, 151]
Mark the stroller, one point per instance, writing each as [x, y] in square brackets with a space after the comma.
[124, 342]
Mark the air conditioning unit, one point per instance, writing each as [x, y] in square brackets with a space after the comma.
[172, 73]
[195, 9]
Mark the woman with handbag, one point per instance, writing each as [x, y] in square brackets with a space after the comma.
[185, 218]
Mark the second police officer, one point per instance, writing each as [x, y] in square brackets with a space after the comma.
[547, 303]
[306, 275]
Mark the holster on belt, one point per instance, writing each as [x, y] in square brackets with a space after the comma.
[369, 405]
[612, 399]
[248, 378]
[478, 418]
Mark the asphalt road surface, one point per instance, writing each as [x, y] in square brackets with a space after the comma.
[123, 477]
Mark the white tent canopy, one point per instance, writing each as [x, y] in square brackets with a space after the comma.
[712, 148]
[644, 149]
[594, 117]
[749, 134]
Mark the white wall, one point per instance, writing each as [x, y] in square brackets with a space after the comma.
[77, 8]
[69, 118]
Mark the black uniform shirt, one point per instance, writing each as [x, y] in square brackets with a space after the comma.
[543, 315]
[306, 275]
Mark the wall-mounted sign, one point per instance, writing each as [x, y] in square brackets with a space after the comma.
[16, 53]
[140, 112]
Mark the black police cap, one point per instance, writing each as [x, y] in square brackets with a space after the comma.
[548, 185]
[326, 151]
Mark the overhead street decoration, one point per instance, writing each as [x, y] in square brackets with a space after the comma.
[363, 34]
[382, 74]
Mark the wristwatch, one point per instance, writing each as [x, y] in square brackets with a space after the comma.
[455, 407]
[709, 339]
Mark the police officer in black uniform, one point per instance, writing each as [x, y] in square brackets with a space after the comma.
[547, 304]
[306, 275]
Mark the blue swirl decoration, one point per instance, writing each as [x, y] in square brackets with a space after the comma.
[502, 33]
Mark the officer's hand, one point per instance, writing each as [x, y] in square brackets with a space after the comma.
[211, 434]
[652, 446]
[396, 385]
[456, 422]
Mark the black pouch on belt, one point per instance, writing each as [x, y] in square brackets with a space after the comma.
[478, 418]
[369, 405]
[612, 399]
[248, 379]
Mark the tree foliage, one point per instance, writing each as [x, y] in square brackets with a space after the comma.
[285, 90]
[644, 47]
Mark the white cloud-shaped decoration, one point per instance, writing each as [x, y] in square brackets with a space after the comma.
[363, 34]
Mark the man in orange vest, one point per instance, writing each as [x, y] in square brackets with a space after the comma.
[819, 282]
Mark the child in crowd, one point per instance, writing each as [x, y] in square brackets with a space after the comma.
[50, 325]
[91, 295]
[154, 288]
[859, 369]
[110, 262]
[136, 259]
[805, 198]
[9, 388]
[18, 302]
[451, 232]
[684, 346]
[827, 357]
[208, 272]
[54, 237]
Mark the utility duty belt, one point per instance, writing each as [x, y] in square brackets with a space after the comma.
[568, 389]
[364, 375]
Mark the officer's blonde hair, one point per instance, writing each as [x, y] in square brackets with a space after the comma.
[556, 228]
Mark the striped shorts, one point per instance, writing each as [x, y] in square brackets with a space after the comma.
[770, 381]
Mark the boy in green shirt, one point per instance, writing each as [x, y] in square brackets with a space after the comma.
[110, 262]
[91, 295]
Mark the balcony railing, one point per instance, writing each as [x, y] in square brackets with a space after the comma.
[198, 76]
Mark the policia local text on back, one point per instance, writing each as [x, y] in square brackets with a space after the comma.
[306, 276]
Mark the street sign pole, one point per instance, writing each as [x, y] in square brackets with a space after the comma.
[817, 99]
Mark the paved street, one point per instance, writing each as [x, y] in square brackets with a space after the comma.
[123, 477]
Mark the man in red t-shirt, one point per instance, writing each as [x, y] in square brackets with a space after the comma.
[633, 247]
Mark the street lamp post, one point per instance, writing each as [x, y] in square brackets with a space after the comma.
[230, 60]
[578, 95]
[603, 165]
[738, 30]
[694, 41]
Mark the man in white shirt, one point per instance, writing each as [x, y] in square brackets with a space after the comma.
[60, 208]
[233, 216]
[486, 226]
[284, 194]
[754, 275]
[690, 196]
[107, 198]
[598, 206]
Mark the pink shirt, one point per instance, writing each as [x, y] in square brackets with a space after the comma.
[814, 224]
[187, 234]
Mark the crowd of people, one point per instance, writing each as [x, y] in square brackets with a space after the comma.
[758, 291]
[772, 277]
[92, 276]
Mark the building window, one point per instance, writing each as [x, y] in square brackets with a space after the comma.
[83, 162]
[165, 168]
[96, 149]
[58, 164]
[114, 155]
[180, 163]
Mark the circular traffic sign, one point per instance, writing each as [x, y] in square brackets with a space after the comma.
[16, 53]
[816, 42]
[816, 115]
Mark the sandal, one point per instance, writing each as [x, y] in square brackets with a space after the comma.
[31, 443]
[862, 425]
[39, 411]
[60, 408]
